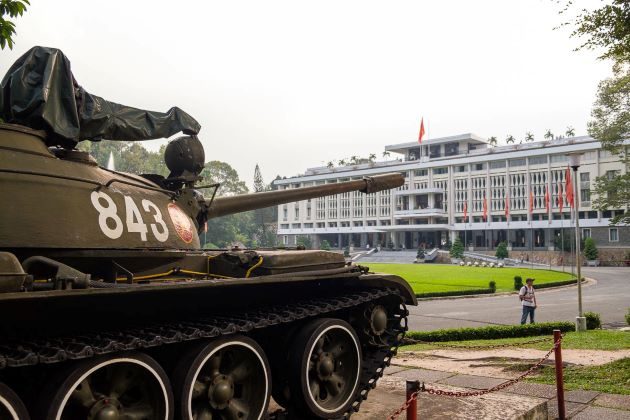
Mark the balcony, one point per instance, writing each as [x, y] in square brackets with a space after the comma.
[430, 211]
[415, 191]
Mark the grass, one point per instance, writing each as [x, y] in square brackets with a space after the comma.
[611, 377]
[426, 278]
[588, 340]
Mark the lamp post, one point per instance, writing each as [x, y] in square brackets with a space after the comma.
[574, 163]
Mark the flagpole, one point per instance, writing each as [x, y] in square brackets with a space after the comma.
[562, 238]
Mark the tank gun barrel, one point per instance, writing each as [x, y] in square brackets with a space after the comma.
[222, 206]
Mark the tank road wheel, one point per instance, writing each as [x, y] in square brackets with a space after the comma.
[325, 365]
[225, 379]
[124, 386]
[11, 407]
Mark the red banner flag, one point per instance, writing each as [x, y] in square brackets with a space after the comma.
[507, 206]
[485, 209]
[421, 134]
[560, 197]
[569, 186]
[465, 211]
[547, 198]
[531, 200]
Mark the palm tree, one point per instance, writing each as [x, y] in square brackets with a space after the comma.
[342, 162]
[372, 157]
[492, 141]
[385, 154]
[529, 136]
[354, 159]
[549, 135]
[509, 139]
[570, 131]
[330, 164]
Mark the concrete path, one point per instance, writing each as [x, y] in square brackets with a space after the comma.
[609, 296]
[520, 401]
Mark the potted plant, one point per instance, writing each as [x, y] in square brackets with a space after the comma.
[420, 255]
[590, 252]
[457, 251]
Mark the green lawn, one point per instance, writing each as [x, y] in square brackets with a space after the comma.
[425, 278]
[590, 340]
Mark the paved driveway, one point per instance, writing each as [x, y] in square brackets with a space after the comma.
[610, 297]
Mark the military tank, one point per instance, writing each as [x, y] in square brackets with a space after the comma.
[109, 309]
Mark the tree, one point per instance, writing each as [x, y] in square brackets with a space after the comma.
[354, 159]
[342, 162]
[570, 132]
[13, 9]
[265, 233]
[590, 250]
[457, 249]
[529, 136]
[216, 171]
[305, 241]
[502, 251]
[372, 157]
[492, 141]
[549, 135]
[324, 245]
[509, 139]
[330, 165]
[607, 28]
[129, 156]
[386, 154]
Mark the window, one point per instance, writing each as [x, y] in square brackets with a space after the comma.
[610, 175]
[297, 212]
[451, 149]
[586, 233]
[559, 159]
[285, 213]
[585, 189]
[358, 224]
[517, 162]
[285, 239]
[308, 225]
[605, 154]
[420, 172]
[332, 224]
[497, 164]
[613, 235]
[538, 160]
[478, 166]
[284, 226]
[440, 171]
[296, 226]
[461, 168]
[434, 151]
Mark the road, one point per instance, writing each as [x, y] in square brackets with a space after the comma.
[609, 296]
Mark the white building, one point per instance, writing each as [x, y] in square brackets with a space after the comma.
[443, 174]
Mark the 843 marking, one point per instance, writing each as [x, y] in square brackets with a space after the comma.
[112, 225]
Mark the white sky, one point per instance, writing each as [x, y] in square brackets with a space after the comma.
[294, 84]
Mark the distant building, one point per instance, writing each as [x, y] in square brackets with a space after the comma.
[443, 174]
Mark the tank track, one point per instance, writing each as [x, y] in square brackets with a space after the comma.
[15, 354]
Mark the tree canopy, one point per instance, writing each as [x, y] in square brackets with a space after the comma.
[12, 9]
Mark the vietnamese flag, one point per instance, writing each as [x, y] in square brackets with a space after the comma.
[569, 186]
[465, 210]
[560, 197]
[507, 206]
[421, 134]
[531, 200]
[547, 198]
[485, 209]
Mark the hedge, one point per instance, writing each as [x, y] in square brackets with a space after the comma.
[492, 332]
[456, 293]
[555, 284]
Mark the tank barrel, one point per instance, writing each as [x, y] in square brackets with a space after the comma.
[222, 206]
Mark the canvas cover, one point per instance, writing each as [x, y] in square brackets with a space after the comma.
[40, 92]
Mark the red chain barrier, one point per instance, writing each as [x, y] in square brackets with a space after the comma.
[461, 394]
[408, 341]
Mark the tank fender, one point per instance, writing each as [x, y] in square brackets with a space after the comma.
[390, 280]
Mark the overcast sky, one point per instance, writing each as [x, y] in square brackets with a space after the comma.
[294, 84]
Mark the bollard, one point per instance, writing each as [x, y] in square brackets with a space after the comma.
[412, 408]
[559, 377]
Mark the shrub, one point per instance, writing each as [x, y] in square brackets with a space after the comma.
[593, 321]
[555, 284]
[457, 249]
[518, 282]
[492, 286]
[456, 293]
[502, 251]
[346, 251]
[590, 250]
[492, 332]
[325, 245]
[420, 253]
[628, 317]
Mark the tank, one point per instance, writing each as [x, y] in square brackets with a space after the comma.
[109, 309]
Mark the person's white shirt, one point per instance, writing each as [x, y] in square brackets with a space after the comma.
[527, 296]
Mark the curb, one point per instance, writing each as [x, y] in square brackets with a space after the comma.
[587, 282]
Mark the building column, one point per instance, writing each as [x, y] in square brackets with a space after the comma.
[339, 242]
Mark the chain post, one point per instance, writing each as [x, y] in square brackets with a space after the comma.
[557, 338]
[413, 388]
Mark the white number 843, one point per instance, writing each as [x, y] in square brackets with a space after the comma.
[112, 226]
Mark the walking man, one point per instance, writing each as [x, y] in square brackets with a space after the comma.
[528, 300]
